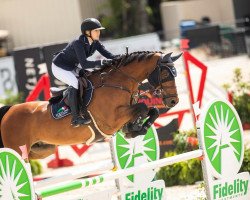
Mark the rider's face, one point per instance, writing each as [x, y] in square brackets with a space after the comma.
[95, 34]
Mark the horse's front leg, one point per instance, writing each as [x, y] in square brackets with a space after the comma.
[132, 116]
[137, 127]
[153, 115]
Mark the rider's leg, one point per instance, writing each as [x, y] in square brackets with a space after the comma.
[85, 113]
[70, 79]
[77, 119]
[83, 108]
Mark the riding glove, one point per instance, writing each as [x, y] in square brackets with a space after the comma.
[107, 62]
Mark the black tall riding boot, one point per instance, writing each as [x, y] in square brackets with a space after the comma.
[85, 114]
[77, 120]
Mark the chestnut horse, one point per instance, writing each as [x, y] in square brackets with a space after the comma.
[115, 86]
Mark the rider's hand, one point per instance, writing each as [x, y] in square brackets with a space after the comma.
[107, 62]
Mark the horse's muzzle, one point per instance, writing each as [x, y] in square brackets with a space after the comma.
[170, 101]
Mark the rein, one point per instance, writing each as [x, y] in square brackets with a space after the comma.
[117, 68]
[158, 91]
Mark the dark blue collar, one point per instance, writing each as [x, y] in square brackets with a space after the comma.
[84, 39]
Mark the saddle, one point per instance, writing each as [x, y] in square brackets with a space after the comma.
[60, 107]
[59, 101]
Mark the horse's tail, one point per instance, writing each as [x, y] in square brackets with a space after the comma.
[3, 111]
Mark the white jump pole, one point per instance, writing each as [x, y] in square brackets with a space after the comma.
[118, 174]
[90, 170]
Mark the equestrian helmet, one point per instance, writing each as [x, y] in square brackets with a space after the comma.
[91, 24]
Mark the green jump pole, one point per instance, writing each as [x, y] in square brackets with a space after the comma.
[119, 174]
[60, 189]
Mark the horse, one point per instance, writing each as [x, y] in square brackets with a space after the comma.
[111, 107]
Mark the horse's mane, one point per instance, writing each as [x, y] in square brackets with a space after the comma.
[126, 59]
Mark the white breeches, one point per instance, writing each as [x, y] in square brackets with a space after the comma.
[68, 77]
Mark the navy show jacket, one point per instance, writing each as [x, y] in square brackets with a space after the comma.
[77, 52]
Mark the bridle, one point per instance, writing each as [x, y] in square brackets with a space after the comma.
[155, 82]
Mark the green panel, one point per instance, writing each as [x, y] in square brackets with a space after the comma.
[13, 173]
[221, 122]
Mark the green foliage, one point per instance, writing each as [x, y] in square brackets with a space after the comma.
[246, 161]
[36, 167]
[242, 105]
[170, 173]
[190, 171]
[181, 141]
[113, 22]
[154, 14]
[125, 18]
[12, 99]
[241, 95]
[182, 173]
[240, 86]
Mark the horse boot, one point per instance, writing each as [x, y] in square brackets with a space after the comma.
[77, 120]
[153, 115]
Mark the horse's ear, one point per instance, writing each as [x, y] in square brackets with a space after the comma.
[166, 58]
[174, 58]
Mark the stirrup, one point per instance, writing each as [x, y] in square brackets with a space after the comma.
[85, 115]
[77, 121]
[74, 123]
[86, 120]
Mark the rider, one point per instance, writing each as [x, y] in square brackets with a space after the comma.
[73, 57]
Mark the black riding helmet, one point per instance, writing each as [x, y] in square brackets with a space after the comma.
[91, 24]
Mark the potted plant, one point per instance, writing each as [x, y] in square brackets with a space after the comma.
[240, 91]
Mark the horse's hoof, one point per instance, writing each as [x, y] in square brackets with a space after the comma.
[134, 134]
[128, 135]
[137, 133]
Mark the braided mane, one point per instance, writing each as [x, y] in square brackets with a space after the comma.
[126, 59]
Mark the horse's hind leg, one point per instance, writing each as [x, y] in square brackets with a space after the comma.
[41, 150]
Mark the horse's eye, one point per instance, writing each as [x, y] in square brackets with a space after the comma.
[165, 73]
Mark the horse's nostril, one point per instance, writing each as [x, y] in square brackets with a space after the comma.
[172, 102]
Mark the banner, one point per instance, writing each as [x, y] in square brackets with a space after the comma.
[7, 76]
[165, 135]
[150, 99]
[29, 68]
